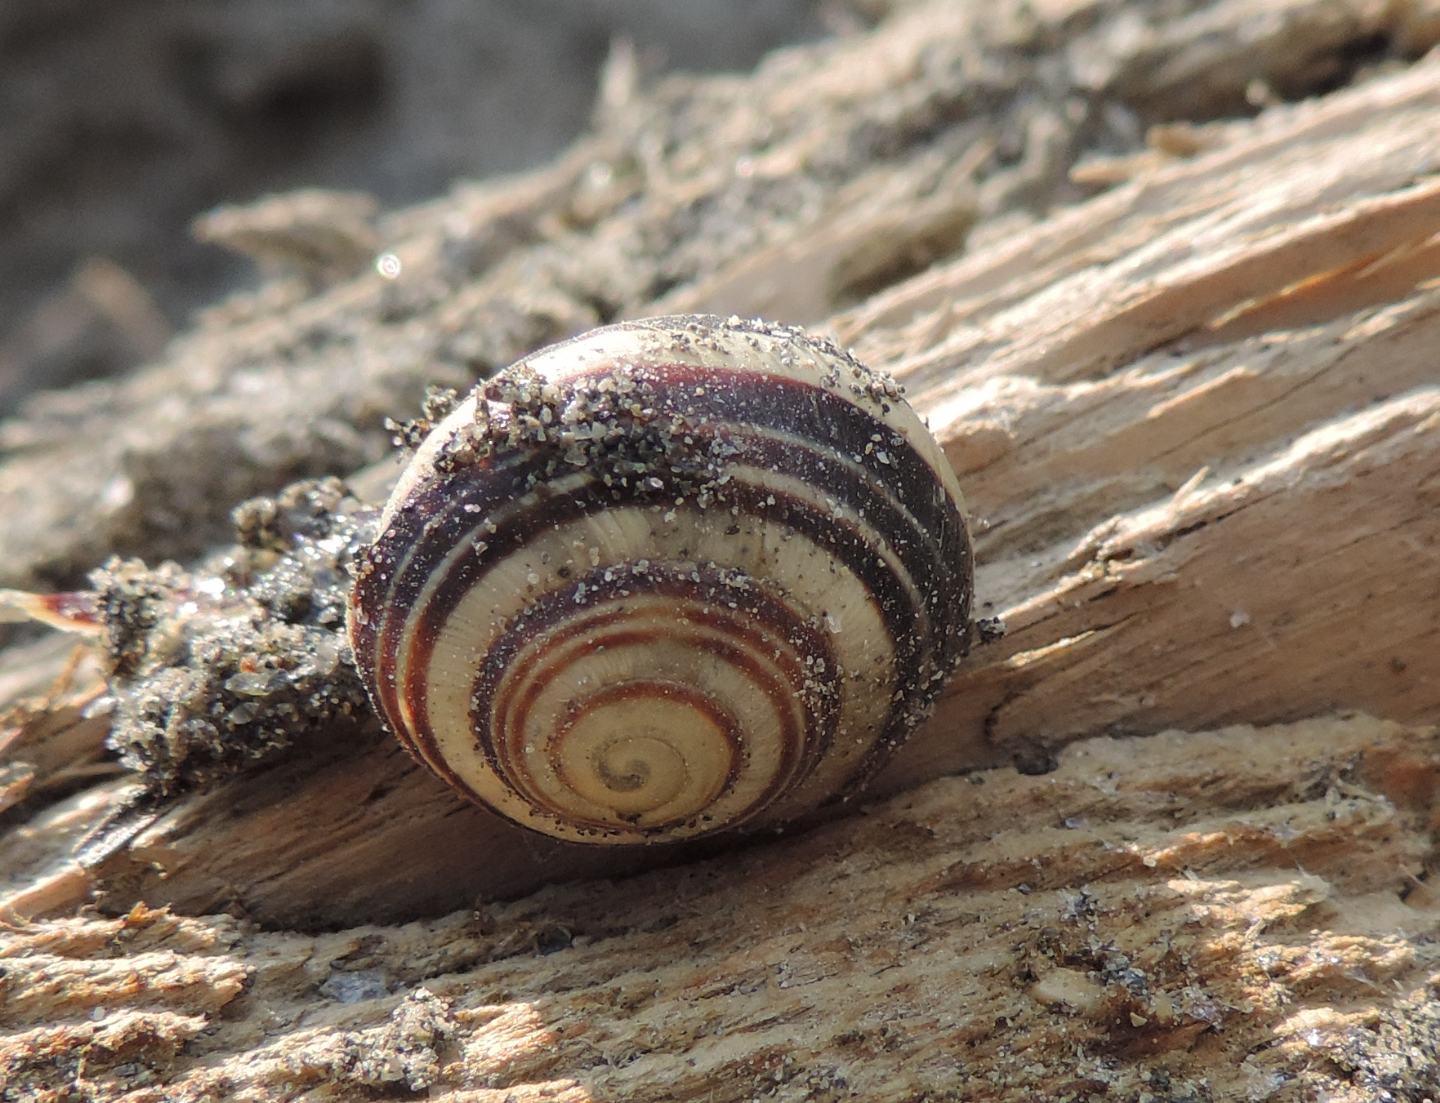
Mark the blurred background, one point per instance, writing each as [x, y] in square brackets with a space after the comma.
[122, 121]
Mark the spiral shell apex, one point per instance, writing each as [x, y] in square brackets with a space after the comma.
[667, 578]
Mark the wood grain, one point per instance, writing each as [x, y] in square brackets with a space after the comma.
[1188, 513]
[1171, 837]
[1226, 915]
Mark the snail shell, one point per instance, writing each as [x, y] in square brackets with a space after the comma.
[666, 578]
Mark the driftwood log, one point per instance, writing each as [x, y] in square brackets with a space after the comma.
[1191, 386]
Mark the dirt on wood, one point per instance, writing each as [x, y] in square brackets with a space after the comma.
[1227, 916]
[121, 125]
[1165, 281]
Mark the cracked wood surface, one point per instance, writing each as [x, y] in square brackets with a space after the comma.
[831, 172]
[1236, 915]
[1188, 514]
[1196, 419]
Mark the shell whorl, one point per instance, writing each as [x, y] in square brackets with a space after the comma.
[663, 579]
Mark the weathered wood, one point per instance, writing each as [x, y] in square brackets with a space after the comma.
[1196, 420]
[1232, 915]
[878, 147]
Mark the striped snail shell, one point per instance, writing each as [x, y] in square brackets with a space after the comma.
[670, 577]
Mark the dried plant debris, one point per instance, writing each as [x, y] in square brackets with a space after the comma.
[242, 656]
